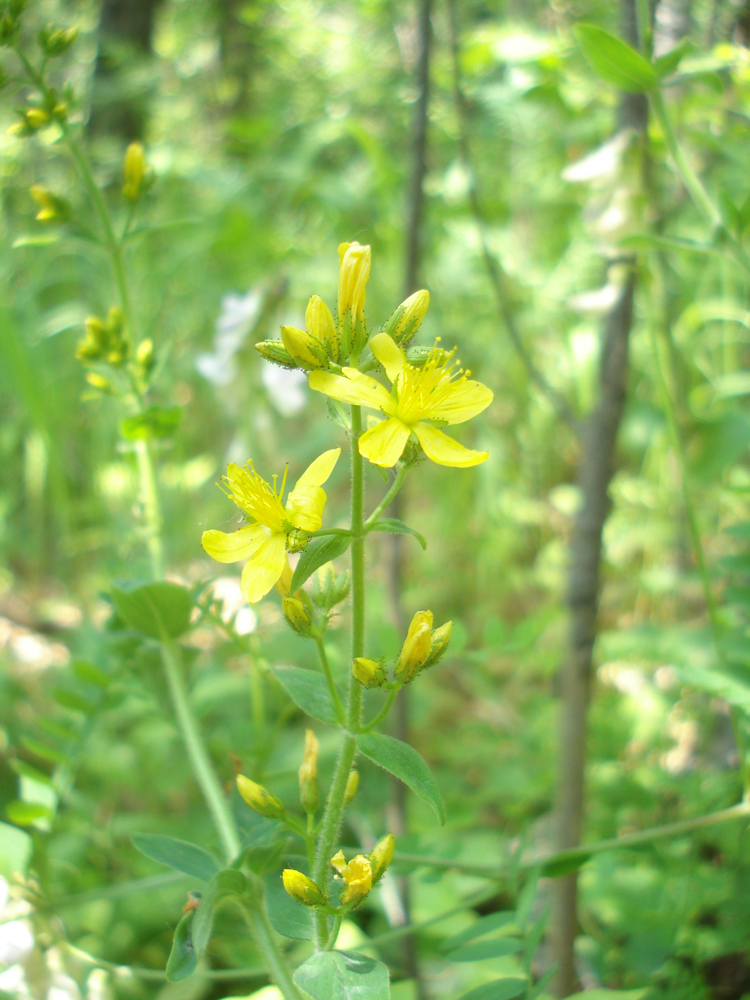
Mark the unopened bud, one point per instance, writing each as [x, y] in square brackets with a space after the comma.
[308, 774]
[284, 583]
[98, 382]
[259, 798]
[381, 856]
[55, 41]
[304, 348]
[51, 208]
[134, 171]
[320, 325]
[407, 319]
[354, 271]
[299, 617]
[369, 673]
[352, 784]
[275, 352]
[302, 888]
[37, 117]
[416, 647]
[440, 639]
[144, 355]
[96, 331]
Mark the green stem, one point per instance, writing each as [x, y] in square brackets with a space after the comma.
[199, 760]
[383, 711]
[395, 487]
[148, 492]
[263, 934]
[335, 802]
[339, 708]
[334, 932]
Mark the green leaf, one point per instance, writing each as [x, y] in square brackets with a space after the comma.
[343, 975]
[228, 885]
[178, 854]
[73, 701]
[564, 864]
[644, 241]
[288, 918]
[318, 552]
[155, 422]
[498, 989]
[339, 413]
[89, 673]
[481, 950]
[159, 610]
[538, 987]
[262, 859]
[182, 961]
[43, 750]
[615, 61]
[405, 763]
[666, 65]
[604, 994]
[395, 527]
[719, 683]
[27, 813]
[15, 850]
[308, 689]
[483, 926]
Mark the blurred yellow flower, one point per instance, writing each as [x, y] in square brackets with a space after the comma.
[276, 528]
[357, 875]
[436, 391]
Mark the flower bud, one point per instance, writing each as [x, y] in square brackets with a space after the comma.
[275, 352]
[381, 856]
[304, 348]
[302, 888]
[319, 324]
[51, 208]
[55, 41]
[284, 583]
[308, 774]
[416, 647]
[299, 616]
[354, 271]
[369, 673]
[134, 171]
[259, 798]
[144, 355]
[407, 319]
[357, 875]
[96, 331]
[352, 784]
[37, 117]
[440, 639]
[98, 382]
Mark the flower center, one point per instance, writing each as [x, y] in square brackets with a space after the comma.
[254, 495]
[423, 390]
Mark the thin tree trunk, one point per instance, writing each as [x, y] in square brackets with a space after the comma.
[412, 262]
[598, 440]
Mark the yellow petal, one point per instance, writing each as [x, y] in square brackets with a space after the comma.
[230, 547]
[319, 323]
[464, 401]
[389, 354]
[384, 443]
[318, 472]
[261, 572]
[353, 387]
[444, 450]
[303, 347]
[305, 507]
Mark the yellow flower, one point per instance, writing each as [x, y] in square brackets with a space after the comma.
[276, 528]
[357, 875]
[423, 646]
[434, 392]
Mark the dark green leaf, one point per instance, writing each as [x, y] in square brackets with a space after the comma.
[395, 527]
[318, 552]
[564, 864]
[604, 994]
[179, 854]
[538, 987]
[73, 701]
[498, 989]
[288, 917]
[615, 61]
[155, 422]
[43, 750]
[159, 610]
[308, 689]
[483, 926]
[264, 858]
[226, 886]
[182, 961]
[343, 975]
[481, 950]
[89, 673]
[406, 764]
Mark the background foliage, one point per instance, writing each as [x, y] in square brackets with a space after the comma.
[275, 131]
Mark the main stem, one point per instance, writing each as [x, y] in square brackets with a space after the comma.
[335, 803]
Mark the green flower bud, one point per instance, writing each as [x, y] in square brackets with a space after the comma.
[302, 888]
[369, 673]
[55, 41]
[352, 784]
[406, 320]
[260, 799]
[134, 171]
[304, 348]
[275, 352]
[381, 856]
[308, 774]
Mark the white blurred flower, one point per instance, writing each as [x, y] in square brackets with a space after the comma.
[285, 388]
[238, 316]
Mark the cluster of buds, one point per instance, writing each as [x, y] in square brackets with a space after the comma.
[422, 648]
[105, 340]
[328, 343]
[358, 875]
[10, 20]
[309, 615]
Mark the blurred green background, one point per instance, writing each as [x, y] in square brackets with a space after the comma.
[275, 131]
